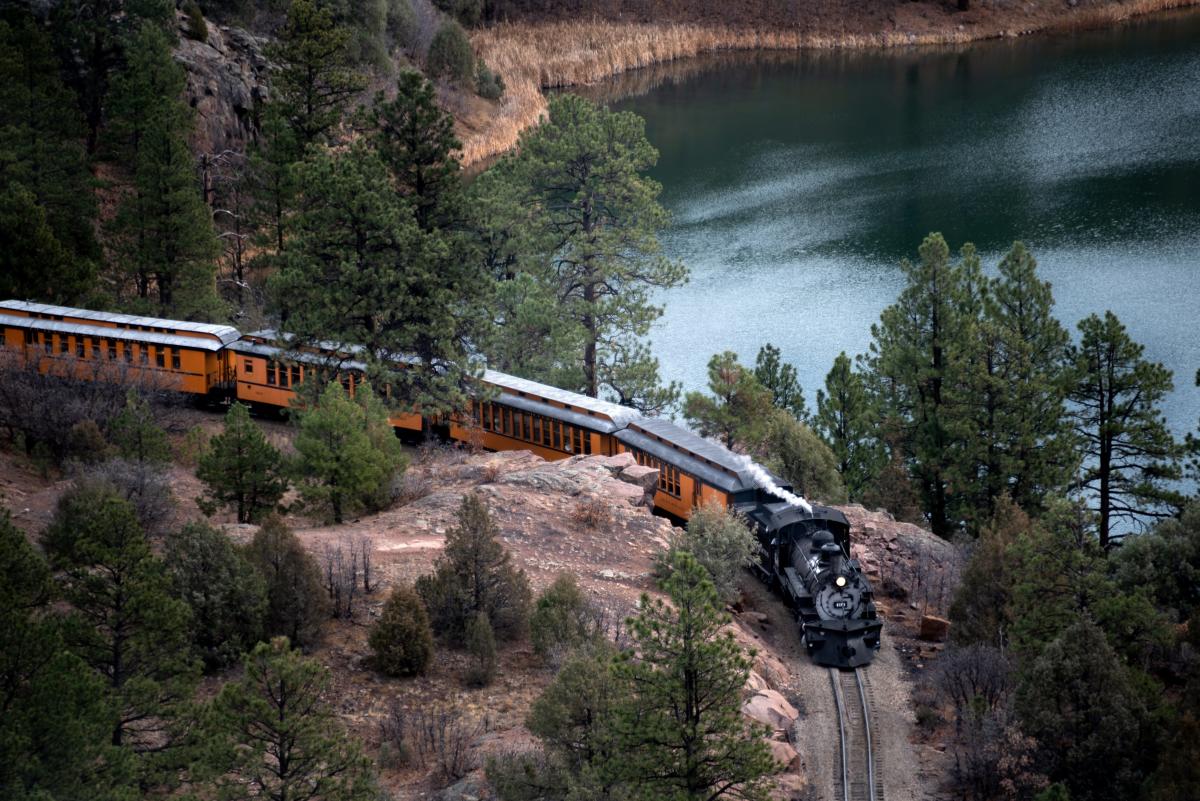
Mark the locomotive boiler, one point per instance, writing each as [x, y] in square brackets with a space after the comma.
[805, 557]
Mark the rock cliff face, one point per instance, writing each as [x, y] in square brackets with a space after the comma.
[226, 82]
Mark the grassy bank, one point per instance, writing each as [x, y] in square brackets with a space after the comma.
[532, 57]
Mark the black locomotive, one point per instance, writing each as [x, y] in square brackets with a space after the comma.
[805, 557]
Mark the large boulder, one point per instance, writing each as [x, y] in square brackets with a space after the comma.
[771, 709]
[785, 756]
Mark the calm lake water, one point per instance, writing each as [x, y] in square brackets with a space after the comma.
[798, 182]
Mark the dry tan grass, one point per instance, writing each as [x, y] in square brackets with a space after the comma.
[534, 57]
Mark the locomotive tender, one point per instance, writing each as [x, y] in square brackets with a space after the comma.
[804, 555]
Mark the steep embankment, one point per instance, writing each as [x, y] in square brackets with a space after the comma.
[534, 55]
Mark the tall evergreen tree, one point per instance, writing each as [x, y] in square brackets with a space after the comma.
[47, 207]
[845, 419]
[415, 139]
[315, 79]
[1130, 457]
[242, 469]
[780, 379]
[581, 178]
[297, 603]
[345, 463]
[361, 271]
[738, 409]
[275, 737]
[680, 728]
[55, 723]
[917, 360]
[130, 630]
[163, 231]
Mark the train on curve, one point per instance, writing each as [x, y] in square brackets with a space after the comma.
[220, 363]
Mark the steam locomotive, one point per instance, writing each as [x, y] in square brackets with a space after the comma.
[805, 557]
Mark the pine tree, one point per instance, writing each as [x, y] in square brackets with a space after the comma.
[415, 139]
[475, 574]
[796, 454]
[47, 208]
[402, 640]
[136, 435]
[130, 630]
[163, 229]
[563, 618]
[481, 645]
[227, 596]
[738, 409]
[1130, 457]
[1078, 703]
[346, 464]
[361, 271]
[581, 178]
[845, 420]
[574, 715]
[55, 723]
[781, 380]
[680, 729]
[982, 609]
[242, 469]
[315, 80]
[297, 604]
[918, 355]
[274, 736]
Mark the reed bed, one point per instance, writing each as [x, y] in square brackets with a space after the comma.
[536, 57]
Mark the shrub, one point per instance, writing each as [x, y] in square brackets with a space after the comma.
[135, 433]
[721, 542]
[296, 601]
[227, 596]
[481, 645]
[402, 640]
[197, 28]
[146, 486]
[488, 83]
[594, 513]
[563, 618]
[450, 55]
[801, 458]
[86, 443]
[468, 12]
[474, 574]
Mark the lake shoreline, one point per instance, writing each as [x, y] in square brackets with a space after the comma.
[535, 57]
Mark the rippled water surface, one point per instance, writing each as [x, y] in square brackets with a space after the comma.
[798, 182]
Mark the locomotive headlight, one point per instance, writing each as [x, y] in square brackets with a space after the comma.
[840, 581]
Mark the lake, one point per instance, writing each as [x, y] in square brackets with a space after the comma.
[799, 181]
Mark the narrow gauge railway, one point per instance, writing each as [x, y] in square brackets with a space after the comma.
[805, 552]
[857, 769]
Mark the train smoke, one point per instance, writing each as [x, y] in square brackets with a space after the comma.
[763, 479]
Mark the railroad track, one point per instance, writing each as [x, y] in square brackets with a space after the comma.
[858, 768]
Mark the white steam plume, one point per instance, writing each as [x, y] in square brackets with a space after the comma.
[763, 478]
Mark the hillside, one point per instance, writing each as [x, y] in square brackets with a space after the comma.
[585, 516]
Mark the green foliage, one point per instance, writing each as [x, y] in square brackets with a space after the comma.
[315, 80]
[679, 725]
[86, 443]
[450, 55]
[489, 84]
[136, 435]
[56, 726]
[1079, 704]
[240, 468]
[1055, 792]
[273, 735]
[1165, 562]
[576, 189]
[296, 600]
[348, 454]
[1130, 455]
[129, 629]
[197, 28]
[481, 645]
[982, 608]
[845, 419]
[793, 451]
[401, 640]
[573, 717]
[468, 12]
[720, 541]
[227, 596]
[780, 379]
[47, 208]
[474, 574]
[563, 618]
[415, 139]
[739, 407]
[361, 270]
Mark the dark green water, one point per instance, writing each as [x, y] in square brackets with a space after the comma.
[798, 182]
